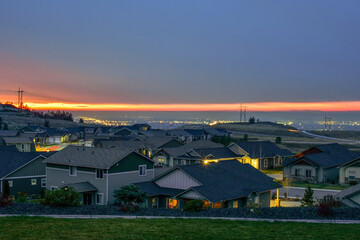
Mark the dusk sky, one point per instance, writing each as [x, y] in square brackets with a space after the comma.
[182, 53]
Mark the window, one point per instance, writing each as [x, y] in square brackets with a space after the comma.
[297, 172]
[280, 161]
[10, 183]
[308, 173]
[171, 203]
[99, 173]
[265, 163]
[142, 170]
[22, 147]
[352, 175]
[257, 199]
[33, 182]
[43, 182]
[72, 171]
[235, 204]
[161, 161]
[183, 162]
[155, 202]
[99, 198]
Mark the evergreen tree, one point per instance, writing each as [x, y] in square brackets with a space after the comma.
[308, 199]
[81, 120]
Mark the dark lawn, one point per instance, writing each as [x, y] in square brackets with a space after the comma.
[47, 228]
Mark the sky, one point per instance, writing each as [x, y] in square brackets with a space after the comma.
[181, 55]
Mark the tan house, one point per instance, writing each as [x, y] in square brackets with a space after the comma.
[350, 172]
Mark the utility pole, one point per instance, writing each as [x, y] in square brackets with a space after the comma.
[327, 123]
[242, 113]
[20, 98]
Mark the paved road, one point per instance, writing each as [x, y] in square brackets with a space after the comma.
[331, 138]
[296, 192]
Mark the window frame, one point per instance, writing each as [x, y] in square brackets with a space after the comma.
[11, 183]
[167, 203]
[297, 172]
[33, 182]
[266, 163]
[145, 168]
[157, 202]
[43, 180]
[235, 204]
[308, 173]
[102, 199]
[75, 171]
[182, 162]
[352, 175]
[101, 173]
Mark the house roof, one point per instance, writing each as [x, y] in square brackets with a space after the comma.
[217, 153]
[15, 140]
[101, 158]
[331, 155]
[263, 149]
[81, 187]
[8, 133]
[12, 159]
[195, 132]
[153, 143]
[181, 150]
[224, 180]
[348, 192]
[153, 189]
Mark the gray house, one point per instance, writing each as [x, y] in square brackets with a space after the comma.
[318, 164]
[350, 197]
[97, 172]
[228, 184]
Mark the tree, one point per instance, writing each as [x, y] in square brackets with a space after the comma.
[6, 127]
[81, 120]
[47, 123]
[129, 197]
[308, 199]
[252, 120]
[278, 140]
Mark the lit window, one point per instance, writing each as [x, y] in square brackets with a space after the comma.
[72, 171]
[33, 182]
[235, 204]
[172, 203]
[161, 161]
[99, 198]
[10, 183]
[43, 182]
[142, 170]
[155, 202]
[99, 174]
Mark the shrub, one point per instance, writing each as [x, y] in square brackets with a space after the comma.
[5, 200]
[21, 197]
[308, 199]
[324, 210]
[352, 183]
[129, 198]
[194, 206]
[278, 140]
[330, 201]
[61, 197]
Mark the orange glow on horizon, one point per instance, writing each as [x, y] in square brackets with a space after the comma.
[254, 107]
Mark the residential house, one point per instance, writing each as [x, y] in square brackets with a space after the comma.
[261, 155]
[350, 171]
[23, 144]
[350, 197]
[24, 171]
[318, 164]
[228, 184]
[97, 172]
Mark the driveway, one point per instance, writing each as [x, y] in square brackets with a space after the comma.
[297, 192]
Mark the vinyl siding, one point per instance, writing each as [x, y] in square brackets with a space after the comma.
[177, 179]
[24, 185]
[131, 163]
[34, 168]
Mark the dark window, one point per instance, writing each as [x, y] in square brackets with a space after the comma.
[142, 170]
[99, 173]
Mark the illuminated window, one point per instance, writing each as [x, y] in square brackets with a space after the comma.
[235, 204]
[72, 171]
[172, 203]
[162, 161]
[33, 182]
[155, 202]
[216, 205]
[43, 182]
[142, 170]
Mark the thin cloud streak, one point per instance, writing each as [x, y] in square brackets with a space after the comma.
[261, 106]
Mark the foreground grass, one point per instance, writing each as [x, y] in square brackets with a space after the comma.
[47, 228]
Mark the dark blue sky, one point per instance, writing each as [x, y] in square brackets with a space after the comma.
[182, 51]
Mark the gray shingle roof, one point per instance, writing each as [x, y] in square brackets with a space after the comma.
[15, 140]
[8, 133]
[101, 158]
[263, 149]
[81, 187]
[216, 152]
[348, 192]
[179, 151]
[152, 189]
[153, 143]
[331, 155]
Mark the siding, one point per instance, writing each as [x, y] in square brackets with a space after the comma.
[356, 198]
[24, 185]
[192, 195]
[177, 179]
[131, 163]
[34, 168]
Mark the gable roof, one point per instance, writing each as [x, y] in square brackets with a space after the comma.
[331, 155]
[344, 196]
[15, 140]
[263, 149]
[226, 180]
[217, 153]
[8, 133]
[11, 159]
[101, 158]
[195, 132]
[152, 189]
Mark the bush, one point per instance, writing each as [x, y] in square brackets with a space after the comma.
[61, 197]
[194, 206]
[324, 210]
[21, 197]
[129, 198]
[330, 201]
[308, 199]
[5, 200]
[352, 183]
[278, 140]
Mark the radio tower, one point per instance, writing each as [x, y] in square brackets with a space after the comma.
[20, 99]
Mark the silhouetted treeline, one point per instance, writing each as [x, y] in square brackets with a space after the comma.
[55, 115]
